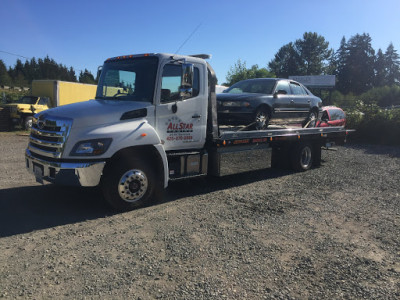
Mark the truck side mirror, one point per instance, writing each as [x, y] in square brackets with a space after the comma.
[186, 89]
[99, 72]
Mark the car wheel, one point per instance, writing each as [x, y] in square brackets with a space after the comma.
[261, 119]
[311, 120]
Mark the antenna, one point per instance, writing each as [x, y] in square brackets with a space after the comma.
[193, 32]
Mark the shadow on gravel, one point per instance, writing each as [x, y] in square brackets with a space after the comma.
[393, 151]
[206, 185]
[26, 209]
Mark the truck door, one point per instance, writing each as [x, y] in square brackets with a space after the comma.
[181, 124]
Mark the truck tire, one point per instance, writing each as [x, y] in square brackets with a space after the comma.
[28, 123]
[132, 184]
[302, 157]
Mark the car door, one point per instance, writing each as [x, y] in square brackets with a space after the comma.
[301, 102]
[282, 102]
[181, 123]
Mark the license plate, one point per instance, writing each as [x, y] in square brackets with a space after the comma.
[38, 171]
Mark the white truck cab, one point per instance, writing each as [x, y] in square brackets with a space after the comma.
[146, 106]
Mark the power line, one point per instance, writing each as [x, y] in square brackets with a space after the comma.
[29, 58]
[14, 54]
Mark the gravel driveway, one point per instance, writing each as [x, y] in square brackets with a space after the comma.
[329, 233]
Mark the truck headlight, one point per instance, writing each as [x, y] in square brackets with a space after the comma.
[91, 147]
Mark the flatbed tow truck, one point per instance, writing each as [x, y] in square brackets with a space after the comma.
[154, 120]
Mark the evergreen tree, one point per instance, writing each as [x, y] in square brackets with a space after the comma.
[5, 78]
[71, 75]
[86, 77]
[339, 61]
[380, 69]
[307, 56]
[286, 62]
[314, 53]
[356, 60]
[392, 65]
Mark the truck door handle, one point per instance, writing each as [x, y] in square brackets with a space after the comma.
[292, 101]
[196, 116]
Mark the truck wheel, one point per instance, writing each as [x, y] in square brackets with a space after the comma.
[302, 157]
[261, 119]
[128, 185]
[28, 123]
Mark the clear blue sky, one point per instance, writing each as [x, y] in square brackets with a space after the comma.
[82, 34]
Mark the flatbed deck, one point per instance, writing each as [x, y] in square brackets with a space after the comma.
[230, 136]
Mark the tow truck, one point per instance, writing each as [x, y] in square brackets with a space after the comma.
[154, 120]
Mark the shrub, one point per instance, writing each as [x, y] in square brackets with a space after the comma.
[375, 125]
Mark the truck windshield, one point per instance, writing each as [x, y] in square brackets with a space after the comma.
[128, 80]
[28, 100]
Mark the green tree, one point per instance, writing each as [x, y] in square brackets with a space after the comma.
[86, 77]
[5, 78]
[380, 69]
[286, 62]
[356, 65]
[392, 65]
[314, 53]
[17, 74]
[307, 56]
[240, 72]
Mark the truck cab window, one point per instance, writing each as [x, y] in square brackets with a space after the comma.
[171, 83]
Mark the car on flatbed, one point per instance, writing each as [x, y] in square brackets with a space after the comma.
[263, 101]
[332, 116]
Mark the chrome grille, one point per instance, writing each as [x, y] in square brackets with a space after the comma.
[48, 136]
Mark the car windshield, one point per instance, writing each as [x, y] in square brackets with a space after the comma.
[128, 80]
[28, 100]
[262, 86]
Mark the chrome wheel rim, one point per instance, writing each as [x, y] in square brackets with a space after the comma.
[261, 119]
[312, 120]
[132, 185]
[305, 159]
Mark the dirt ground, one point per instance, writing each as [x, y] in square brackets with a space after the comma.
[329, 233]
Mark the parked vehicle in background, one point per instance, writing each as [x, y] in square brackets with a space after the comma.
[260, 102]
[220, 89]
[22, 111]
[48, 94]
[332, 116]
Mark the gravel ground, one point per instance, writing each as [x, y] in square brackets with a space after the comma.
[329, 233]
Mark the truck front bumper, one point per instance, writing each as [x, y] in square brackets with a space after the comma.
[65, 173]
